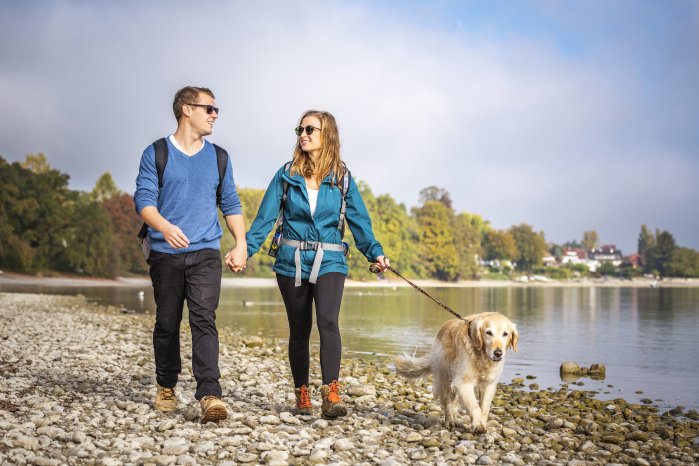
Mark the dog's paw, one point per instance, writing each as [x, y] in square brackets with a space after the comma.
[478, 429]
[449, 420]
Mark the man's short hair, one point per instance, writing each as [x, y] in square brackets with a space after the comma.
[188, 95]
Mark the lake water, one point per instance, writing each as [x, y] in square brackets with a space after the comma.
[646, 337]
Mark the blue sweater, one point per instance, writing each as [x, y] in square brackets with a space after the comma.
[300, 225]
[188, 196]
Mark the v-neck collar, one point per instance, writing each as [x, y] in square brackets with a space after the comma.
[177, 146]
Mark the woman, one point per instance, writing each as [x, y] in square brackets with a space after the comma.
[311, 198]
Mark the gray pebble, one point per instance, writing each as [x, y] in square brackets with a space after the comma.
[164, 460]
[320, 424]
[167, 424]
[175, 446]
[343, 444]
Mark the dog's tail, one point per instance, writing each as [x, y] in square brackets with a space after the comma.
[412, 367]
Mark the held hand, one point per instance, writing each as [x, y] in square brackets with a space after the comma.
[174, 236]
[237, 258]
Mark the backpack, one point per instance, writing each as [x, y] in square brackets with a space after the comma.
[161, 156]
[343, 184]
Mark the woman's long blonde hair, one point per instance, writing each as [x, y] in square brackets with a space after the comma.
[329, 158]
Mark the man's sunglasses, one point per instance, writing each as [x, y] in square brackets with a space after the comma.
[309, 130]
[209, 108]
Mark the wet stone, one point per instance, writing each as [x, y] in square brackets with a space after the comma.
[413, 437]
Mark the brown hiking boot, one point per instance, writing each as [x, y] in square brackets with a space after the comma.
[213, 409]
[303, 401]
[165, 399]
[332, 405]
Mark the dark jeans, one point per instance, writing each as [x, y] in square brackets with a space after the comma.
[196, 277]
[327, 294]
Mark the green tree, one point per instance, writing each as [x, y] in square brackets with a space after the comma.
[581, 269]
[499, 245]
[660, 255]
[646, 242]
[436, 240]
[36, 202]
[607, 268]
[433, 193]
[37, 164]
[18, 247]
[572, 245]
[556, 251]
[87, 243]
[397, 233]
[14, 252]
[531, 246]
[590, 239]
[105, 188]
[684, 263]
[468, 231]
[393, 228]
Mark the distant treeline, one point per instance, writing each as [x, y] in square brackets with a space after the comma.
[48, 228]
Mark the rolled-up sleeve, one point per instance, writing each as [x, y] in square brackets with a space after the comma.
[230, 201]
[147, 181]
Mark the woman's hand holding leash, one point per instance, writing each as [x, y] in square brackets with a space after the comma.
[382, 263]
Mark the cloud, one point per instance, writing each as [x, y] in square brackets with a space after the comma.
[515, 126]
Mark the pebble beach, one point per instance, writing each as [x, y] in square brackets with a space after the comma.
[77, 385]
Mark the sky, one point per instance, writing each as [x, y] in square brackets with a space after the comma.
[565, 115]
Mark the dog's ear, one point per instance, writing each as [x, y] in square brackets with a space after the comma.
[475, 332]
[514, 337]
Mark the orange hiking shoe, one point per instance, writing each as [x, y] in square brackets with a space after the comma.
[213, 409]
[303, 401]
[165, 399]
[332, 405]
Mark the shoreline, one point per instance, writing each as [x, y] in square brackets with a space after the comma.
[78, 382]
[13, 278]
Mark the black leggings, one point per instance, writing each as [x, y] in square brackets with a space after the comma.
[327, 294]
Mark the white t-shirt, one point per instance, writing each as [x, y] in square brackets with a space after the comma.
[312, 200]
[177, 146]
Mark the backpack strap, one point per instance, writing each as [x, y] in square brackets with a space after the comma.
[222, 161]
[161, 156]
[343, 183]
[282, 204]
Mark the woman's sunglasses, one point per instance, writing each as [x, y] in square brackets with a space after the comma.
[309, 130]
[209, 109]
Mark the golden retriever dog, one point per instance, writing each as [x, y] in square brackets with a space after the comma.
[466, 360]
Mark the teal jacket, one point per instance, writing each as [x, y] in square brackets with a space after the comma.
[299, 225]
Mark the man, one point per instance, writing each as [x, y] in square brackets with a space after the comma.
[185, 261]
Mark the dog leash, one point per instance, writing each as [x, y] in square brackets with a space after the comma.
[374, 268]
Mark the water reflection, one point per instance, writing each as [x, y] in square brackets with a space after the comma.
[632, 331]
